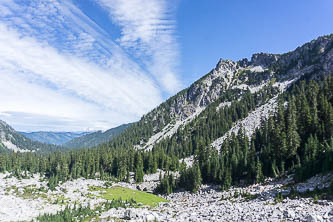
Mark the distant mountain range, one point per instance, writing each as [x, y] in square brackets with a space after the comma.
[57, 138]
[96, 138]
[10, 140]
[75, 139]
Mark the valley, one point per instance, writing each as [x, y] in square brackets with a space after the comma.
[252, 140]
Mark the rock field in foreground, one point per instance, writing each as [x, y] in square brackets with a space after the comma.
[209, 204]
[212, 205]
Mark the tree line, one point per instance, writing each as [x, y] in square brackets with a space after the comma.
[103, 163]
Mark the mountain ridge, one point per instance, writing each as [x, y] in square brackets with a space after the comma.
[10, 140]
[50, 137]
[311, 59]
[96, 138]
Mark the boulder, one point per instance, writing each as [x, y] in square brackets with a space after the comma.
[150, 217]
[129, 214]
[319, 218]
[276, 213]
[311, 218]
[289, 214]
[331, 212]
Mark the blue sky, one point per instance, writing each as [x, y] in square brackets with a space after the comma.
[235, 29]
[72, 65]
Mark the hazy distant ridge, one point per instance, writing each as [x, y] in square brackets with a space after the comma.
[57, 138]
[96, 138]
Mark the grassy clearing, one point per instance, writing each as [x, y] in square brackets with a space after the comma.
[127, 194]
[27, 192]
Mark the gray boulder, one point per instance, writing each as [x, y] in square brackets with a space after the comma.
[129, 214]
[311, 218]
[289, 214]
[331, 212]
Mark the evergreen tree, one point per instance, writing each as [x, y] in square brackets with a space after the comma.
[259, 174]
[293, 139]
[139, 169]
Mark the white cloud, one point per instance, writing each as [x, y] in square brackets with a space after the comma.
[58, 67]
[22, 98]
[148, 30]
[29, 122]
[76, 76]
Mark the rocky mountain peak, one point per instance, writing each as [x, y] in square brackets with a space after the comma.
[263, 59]
[222, 69]
[5, 127]
[224, 63]
[322, 42]
[244, 62]
[313, 57]
[3, 123]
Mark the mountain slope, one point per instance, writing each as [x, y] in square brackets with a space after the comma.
[56, 138]
[10, 140]
[96, 138]
[183, 119]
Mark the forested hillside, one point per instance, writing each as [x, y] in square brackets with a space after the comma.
[298, 138]
[96, 138]
[224, 85]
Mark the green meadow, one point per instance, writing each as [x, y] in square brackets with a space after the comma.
[116, 193]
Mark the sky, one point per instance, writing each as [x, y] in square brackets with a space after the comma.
[77, 65]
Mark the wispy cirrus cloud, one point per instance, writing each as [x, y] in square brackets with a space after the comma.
[44, 65]
[148, 31]
[56, 63]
